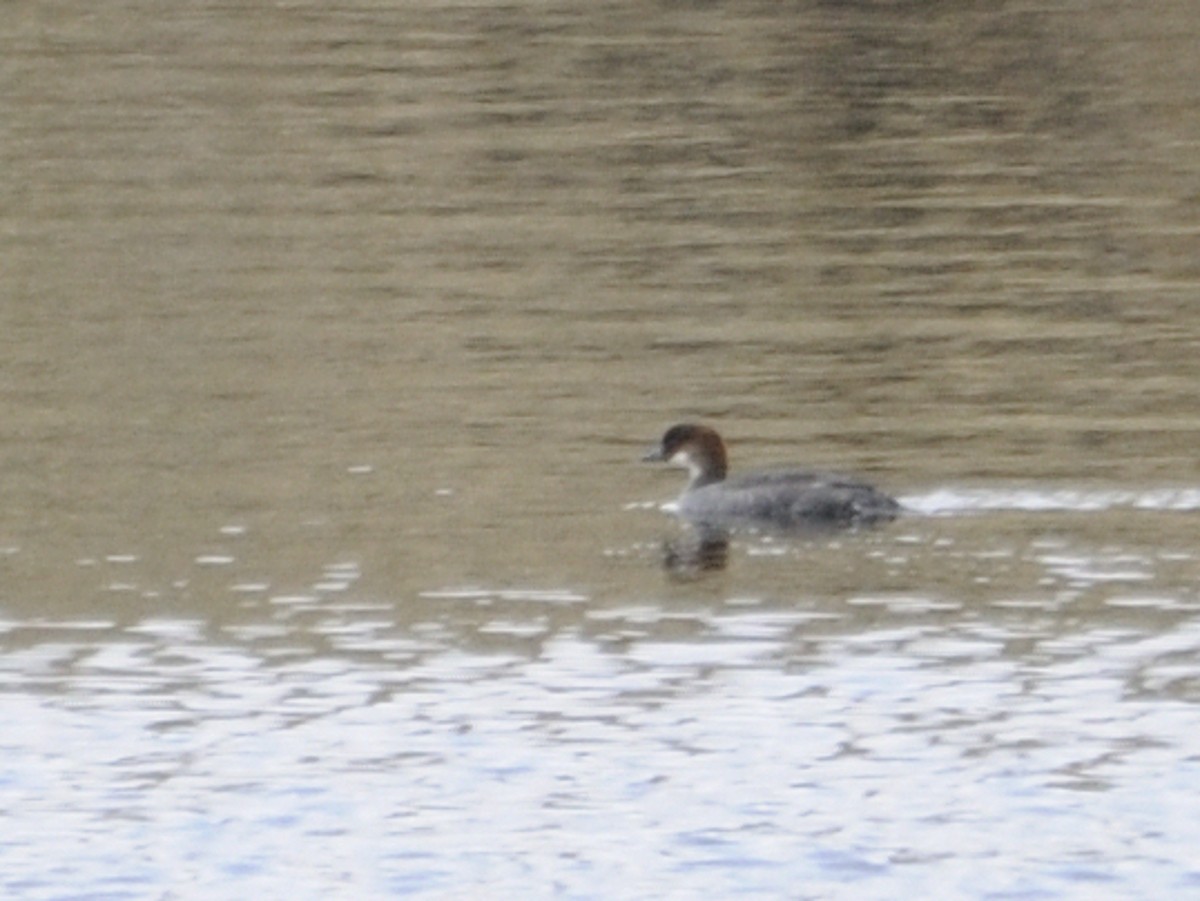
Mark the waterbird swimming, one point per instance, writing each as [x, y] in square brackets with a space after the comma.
[772, 499]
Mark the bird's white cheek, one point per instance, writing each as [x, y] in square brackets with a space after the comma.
[684, 460]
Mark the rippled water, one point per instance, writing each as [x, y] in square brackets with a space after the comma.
[947, 708]
[330, 338]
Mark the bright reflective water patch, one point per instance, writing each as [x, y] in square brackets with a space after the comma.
[958, 501]
[890, 743]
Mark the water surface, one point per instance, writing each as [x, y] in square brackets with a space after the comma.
[329, 340]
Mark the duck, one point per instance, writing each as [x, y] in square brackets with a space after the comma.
[763, 500]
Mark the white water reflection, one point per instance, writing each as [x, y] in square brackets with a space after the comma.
[894, 745]
[958, 501]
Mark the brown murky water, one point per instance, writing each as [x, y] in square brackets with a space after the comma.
[329, 337]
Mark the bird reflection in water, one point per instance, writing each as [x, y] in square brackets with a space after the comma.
[695, 553]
